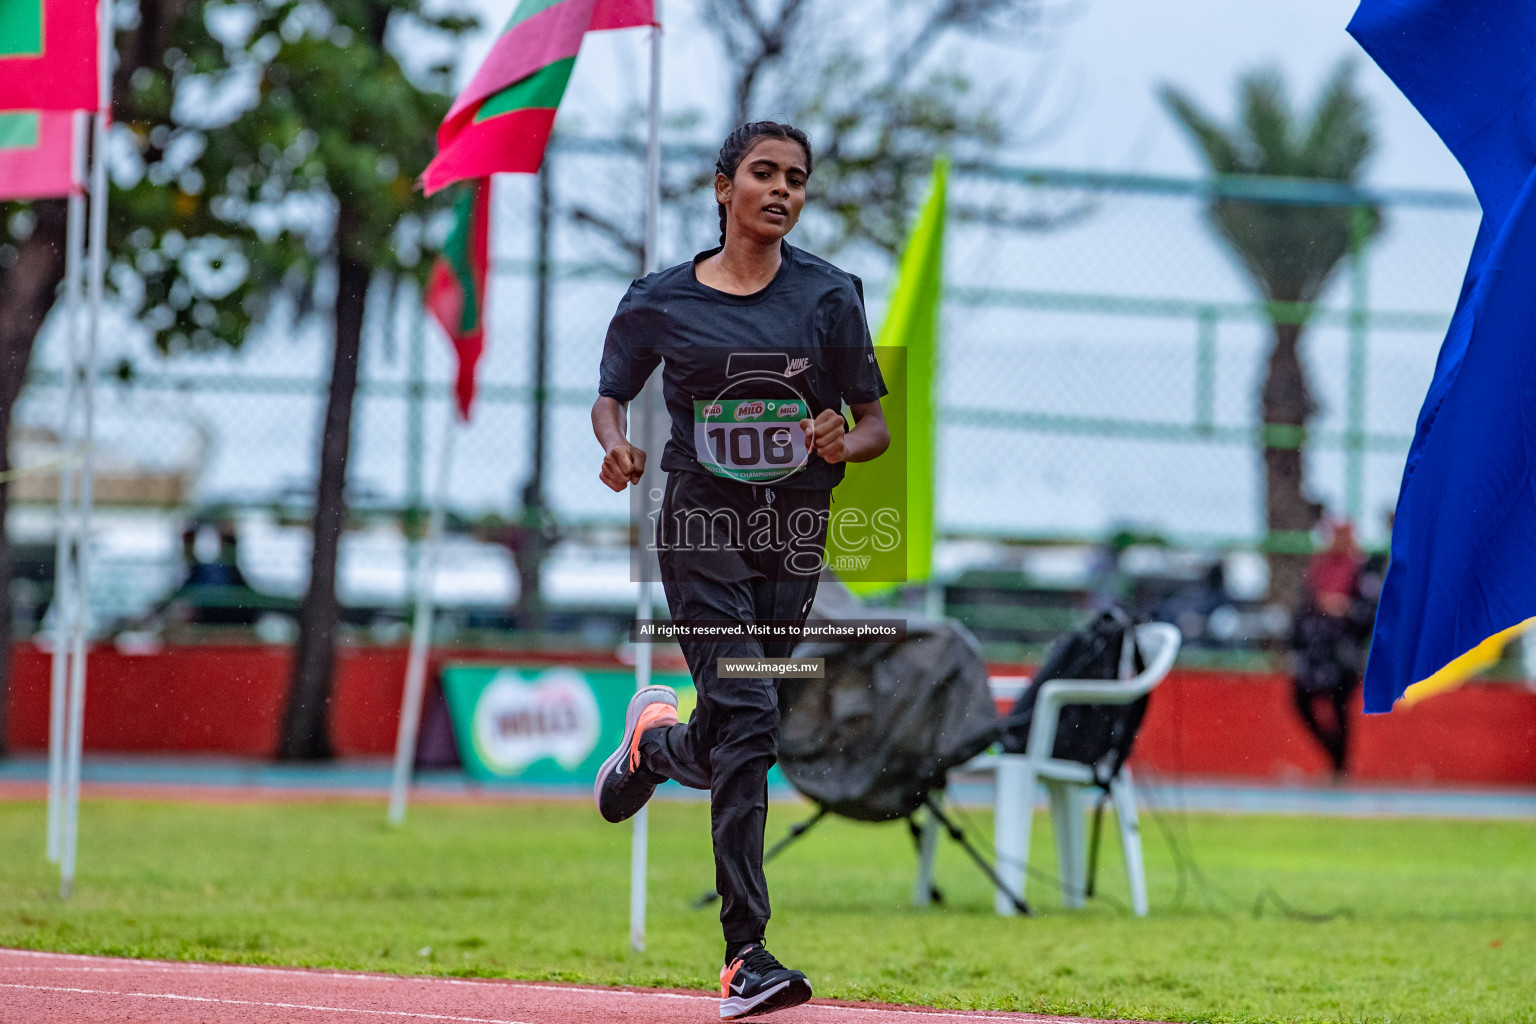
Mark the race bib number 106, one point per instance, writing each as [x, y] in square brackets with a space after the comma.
[751, 440]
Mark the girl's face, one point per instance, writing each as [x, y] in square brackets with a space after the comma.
[764, 199]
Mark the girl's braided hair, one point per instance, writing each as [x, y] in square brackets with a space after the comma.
[740, 142]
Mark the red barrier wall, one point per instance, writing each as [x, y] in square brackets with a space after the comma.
[1245, 725]
[217, 699]
[229, 700]
[221, 699]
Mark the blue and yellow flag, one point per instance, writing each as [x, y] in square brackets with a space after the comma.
[1462, 579]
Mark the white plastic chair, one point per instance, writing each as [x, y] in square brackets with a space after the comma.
[1068, 783]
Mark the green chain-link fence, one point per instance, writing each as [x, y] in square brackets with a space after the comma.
[1101, 360]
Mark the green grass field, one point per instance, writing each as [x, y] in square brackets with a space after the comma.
[1436, 921]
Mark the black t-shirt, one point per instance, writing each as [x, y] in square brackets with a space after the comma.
[742, 370]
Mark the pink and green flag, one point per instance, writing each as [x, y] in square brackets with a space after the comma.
[501, 123]
[35, 154]
[48, 55]
[456, 288]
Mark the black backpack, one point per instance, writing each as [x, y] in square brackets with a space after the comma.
[1094, 734]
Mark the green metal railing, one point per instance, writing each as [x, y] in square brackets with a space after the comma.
[1198, 424]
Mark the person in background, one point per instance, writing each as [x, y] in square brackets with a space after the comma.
[1330, 636]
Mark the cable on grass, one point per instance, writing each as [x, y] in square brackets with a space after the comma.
[1043, 877]
[1180, 847]
[1286, 910]
[1184, 860]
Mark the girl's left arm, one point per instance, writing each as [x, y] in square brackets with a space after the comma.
[870, 437]
[835, 443]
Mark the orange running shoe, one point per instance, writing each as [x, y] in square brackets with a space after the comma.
[622, 786]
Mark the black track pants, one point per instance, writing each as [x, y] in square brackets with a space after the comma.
[732, 738]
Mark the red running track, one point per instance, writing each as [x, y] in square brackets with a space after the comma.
[45, 988]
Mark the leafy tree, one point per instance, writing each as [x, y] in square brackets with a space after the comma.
[179, 282]
[339, 120]
[31, 267]
[1290, 251]
[274, 148]
[876, 119]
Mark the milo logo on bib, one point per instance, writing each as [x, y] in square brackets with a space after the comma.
[747, 440]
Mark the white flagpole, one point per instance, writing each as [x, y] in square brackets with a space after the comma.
[640, 845]
[64, 604]
[421, 631]
[75, 725]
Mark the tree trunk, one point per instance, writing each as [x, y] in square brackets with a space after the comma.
[1286, 404]
[27, 293]
[306, 724]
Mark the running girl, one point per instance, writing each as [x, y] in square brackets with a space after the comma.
[761, 345]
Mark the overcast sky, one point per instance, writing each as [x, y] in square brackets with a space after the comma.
[1108, 60]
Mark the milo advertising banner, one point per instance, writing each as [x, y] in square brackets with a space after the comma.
[543, 724]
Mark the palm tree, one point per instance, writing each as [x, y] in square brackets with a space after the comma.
[1290, 250]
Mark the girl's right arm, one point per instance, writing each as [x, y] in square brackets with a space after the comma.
[623, 463]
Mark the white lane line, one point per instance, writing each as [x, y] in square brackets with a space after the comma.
[85, 971]
[1034, 1018]
[173, 967]
[253, 1002]
[192, 966]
